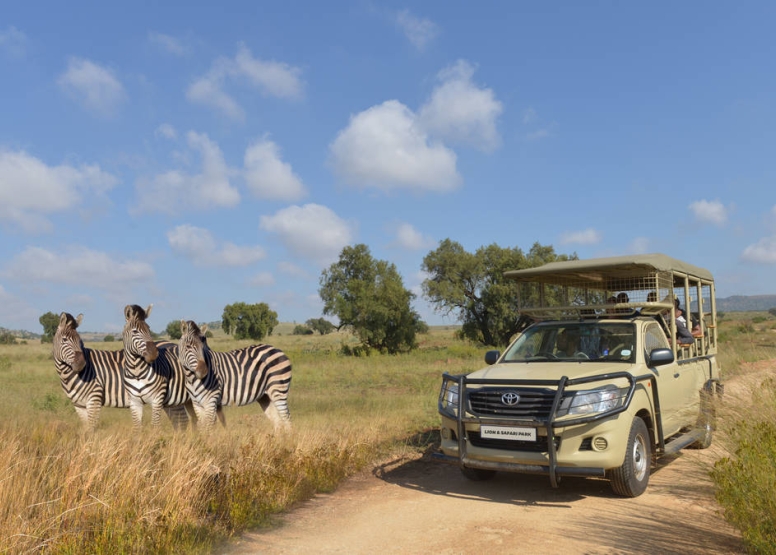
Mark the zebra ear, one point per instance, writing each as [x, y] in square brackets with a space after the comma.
[127, 311]
[183, 326]
[79, 320]
[203, 329]
[148, 310]
[63, 318]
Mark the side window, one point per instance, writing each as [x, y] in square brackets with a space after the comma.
[654, 338]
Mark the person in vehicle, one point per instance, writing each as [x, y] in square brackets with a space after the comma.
[567, 344]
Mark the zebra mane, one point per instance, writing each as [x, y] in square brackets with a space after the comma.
[137, 311]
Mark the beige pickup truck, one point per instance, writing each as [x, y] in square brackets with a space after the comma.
[617, 367]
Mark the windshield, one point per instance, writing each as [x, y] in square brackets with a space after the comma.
[578, 341]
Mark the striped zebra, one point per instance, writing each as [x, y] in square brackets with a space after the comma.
[215, 379]
[91, 378]
[152, 374]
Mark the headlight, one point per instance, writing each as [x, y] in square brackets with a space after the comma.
[592, 402]
[448, 397]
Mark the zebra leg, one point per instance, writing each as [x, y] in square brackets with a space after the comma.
[93, 412]
[178, 417]
[221, 416]
[277, 411]
[136, 408]
[83, 416]
[191, 411]
[156, 414]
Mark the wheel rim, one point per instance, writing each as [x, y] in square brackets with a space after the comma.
[640, 459]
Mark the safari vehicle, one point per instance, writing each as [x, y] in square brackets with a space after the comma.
[598, 384]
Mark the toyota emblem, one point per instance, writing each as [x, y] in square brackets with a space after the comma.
[510, 398]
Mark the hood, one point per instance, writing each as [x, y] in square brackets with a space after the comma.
[547, 370]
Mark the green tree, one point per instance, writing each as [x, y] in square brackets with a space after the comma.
[108, 338]
[173, 329]
[301, 329]
[49, 321]
[369, 298]
[249, 321]
[472, 287]
[321, 325]
[6, 338]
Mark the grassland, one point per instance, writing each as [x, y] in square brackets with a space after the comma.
[66, 492]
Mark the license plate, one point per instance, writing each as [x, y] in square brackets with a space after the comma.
[508, 432]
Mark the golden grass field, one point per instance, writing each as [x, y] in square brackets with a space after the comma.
[63, 491]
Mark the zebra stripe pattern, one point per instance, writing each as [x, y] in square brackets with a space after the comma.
[152, 373]
[91, 378]
[259, 373]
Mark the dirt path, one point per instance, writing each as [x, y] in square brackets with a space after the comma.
[416, 505]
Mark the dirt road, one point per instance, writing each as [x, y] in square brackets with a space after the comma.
[416, 505]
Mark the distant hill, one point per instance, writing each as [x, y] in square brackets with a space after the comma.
[21, 334]
[741, 303]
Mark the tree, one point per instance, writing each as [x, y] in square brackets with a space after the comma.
[173, 329]
[301, 329]
[321, 325]
[472, 287]
[369, 298]
[772, 311]
[108, 338]
[49, 321]
[249, 321]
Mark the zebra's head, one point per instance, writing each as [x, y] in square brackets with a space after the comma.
[68, 349]
[137, 337]
[192, 350]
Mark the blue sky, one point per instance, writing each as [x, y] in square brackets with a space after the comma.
[192, 155]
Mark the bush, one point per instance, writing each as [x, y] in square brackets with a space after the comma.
[302, 330]
[108, 338]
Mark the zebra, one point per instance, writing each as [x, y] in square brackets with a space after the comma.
[91, 378]
[152, 374]
[215, 379]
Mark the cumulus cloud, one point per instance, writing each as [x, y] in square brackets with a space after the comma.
[167, 43]
[268, 177]
[199, 246]
[92, 86]
[762, 252]
[383, 147]
[587, 236]
[30, 189]
[419, 31]
[312, 232]
[166, 131]
[460, 111]
[262, 279]
[410, 238]
[270, 78]
[13, 42]
[175, 190]
[77, 266]
[713, 212]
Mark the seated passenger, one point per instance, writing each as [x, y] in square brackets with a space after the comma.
[567, 345]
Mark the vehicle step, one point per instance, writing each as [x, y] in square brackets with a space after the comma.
[682, 441]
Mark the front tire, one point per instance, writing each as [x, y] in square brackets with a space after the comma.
[477, 474]
[631, 479]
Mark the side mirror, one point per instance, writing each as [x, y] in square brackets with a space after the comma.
[491, 357]
[660, 357]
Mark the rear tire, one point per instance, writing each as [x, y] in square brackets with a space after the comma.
[478, 474]
[631, 479]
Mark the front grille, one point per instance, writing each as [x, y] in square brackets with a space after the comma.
[538, 446]
[533, 403]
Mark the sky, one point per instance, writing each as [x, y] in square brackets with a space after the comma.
[192, 155]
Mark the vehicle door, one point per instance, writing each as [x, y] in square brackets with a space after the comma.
[668, 377]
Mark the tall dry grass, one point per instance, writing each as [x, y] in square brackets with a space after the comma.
[63, 491]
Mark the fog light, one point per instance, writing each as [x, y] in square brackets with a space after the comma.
[600, 443]
[445, 433]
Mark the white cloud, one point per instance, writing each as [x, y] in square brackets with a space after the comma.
[166, 131]
[93, 86]
[262, 279]
[530, 116]
[199, 246]
[762, 252]
[588, 236]
[271, 78]
[410, 238]
[175, 191]
[639, 245]
[312, 232]
[291, 269]
[13, 42]
[167, 43]
[384, 148]
[459, 111]
[30, 189]
[713, 212]
[268, 177]
[419, 31]
[77, 266]
[15, 312]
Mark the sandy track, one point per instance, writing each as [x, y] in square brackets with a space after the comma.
[416, 505]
